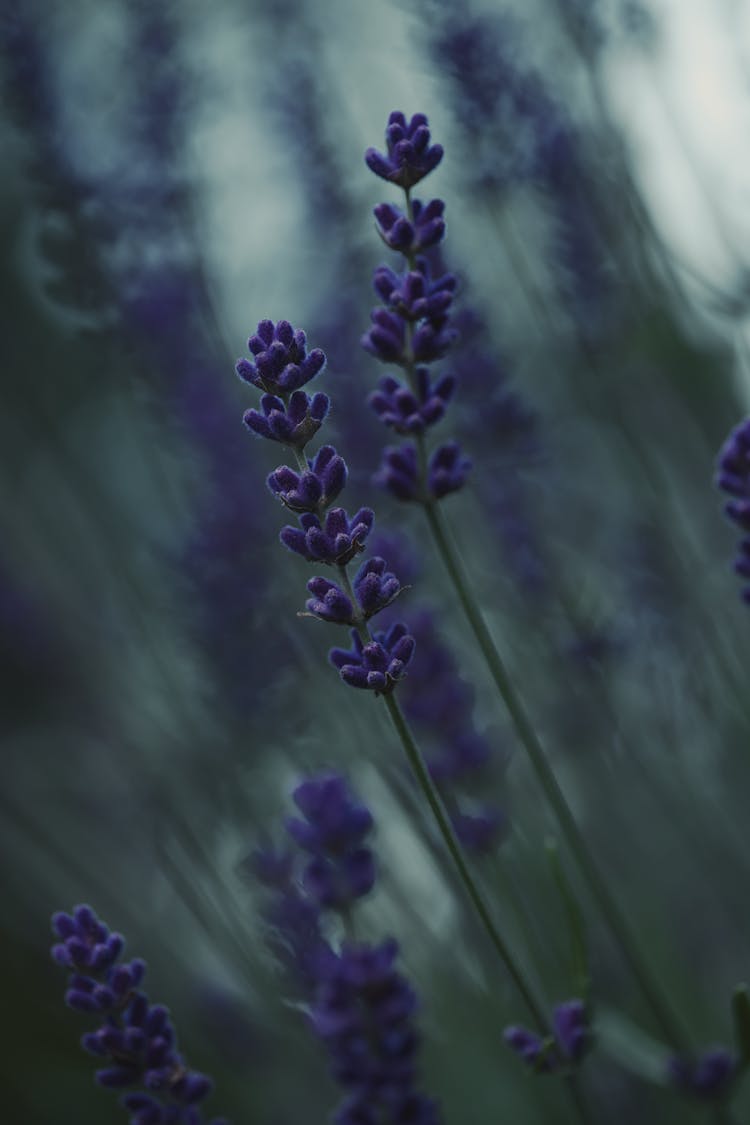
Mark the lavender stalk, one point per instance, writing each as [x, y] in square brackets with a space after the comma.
[412, 331]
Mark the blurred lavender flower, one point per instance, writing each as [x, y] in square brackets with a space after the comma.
[136, 1038]
[572, 1039]
[708, 1076]
[733, 477]
[358, 1004]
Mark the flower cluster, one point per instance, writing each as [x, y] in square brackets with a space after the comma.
[281, 366]
[411, 328]
[707, 1077]
[358, 1004]
[572, 1038]
[136, 1039]
[733, 477]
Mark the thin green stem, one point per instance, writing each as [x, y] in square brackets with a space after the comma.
[434, 800]
[611, 913]
[442, 819]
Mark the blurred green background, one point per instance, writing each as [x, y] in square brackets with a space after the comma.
[175, 173]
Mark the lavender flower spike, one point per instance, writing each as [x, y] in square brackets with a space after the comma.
[733, 477]
[282, 364]
[340, 869]
[135, 1039]
[410, 155]
[378, 665]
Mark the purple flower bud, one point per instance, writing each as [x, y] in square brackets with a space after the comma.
[399, 472]
[379, 665]
[292, 424]
[572, 1030]
[448, 470]
[708, 1076]
[315, 489]
[337, 540]
[282, 364]
[329, 602]
[733, 476]
[410, 157]
[375, 587]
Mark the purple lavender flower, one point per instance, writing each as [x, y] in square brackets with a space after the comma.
[404, 411]
[408, 236]
[314, 489]
[571, 1040]
[410, 155]
[362, 1011]
[336, 541]
[136, 1038]
[448, 470]
[358, 1004]
[282, 364]
[293, 423]
[733, 477]
[412, 329]
[399, 472]
[310, 490]
[377, 665]
[335, 826]
[708, 1076]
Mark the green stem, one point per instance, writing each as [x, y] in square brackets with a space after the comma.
[426, 784]
[618, 926]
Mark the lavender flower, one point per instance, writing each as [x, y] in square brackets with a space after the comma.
[323, 535]
[358, 1005]
[377, 665]
[315, 488]
[336, 541]
[571, 1040]
[292, 424]
[708, 1076]
[412, 329]
[362, 1011]
[733, 477]
[335, 825]
[410, 155]
[136, 1038]
[281, 363]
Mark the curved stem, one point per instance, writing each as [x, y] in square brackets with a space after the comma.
[426, 784]
[615, 920]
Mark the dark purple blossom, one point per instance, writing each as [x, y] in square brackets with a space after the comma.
[316, 488]
[708, 1076]
[407, 411]
[733, 474]
[448, 470]
[340, 869]
[292, 423]
[415, 295]
[733, 477]
[329, 602]
[572, 1030]
[378, 664]
[410, 156]
[399, 472]
[363, 1012]
[375, 586]
[282, 364]
[136, 1039]
[425, 229]
[572, 1038]
[336, 541]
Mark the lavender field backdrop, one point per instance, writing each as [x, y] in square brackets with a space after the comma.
[561, 351]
